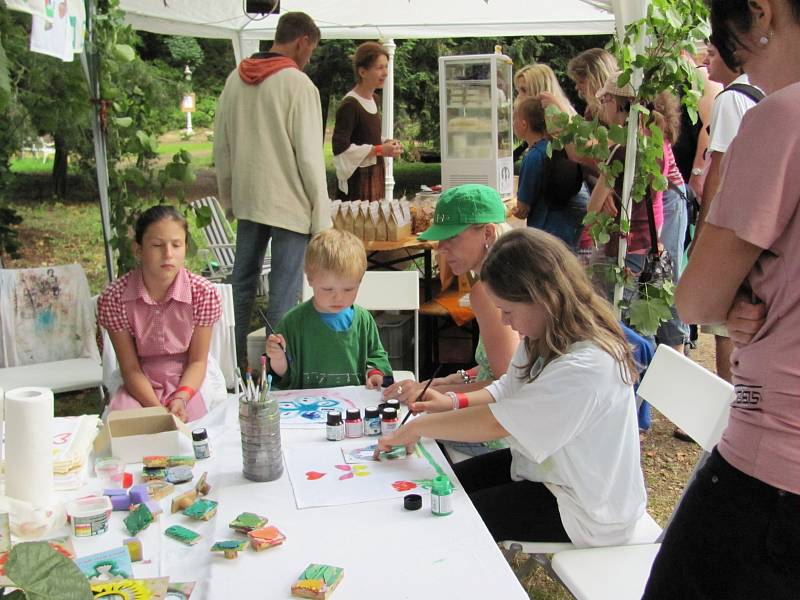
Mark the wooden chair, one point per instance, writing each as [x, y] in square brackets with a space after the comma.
[221, 241]
[698, 402]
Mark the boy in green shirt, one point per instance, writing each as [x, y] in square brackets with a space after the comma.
[328, 341]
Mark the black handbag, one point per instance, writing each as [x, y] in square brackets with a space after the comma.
[658, 266]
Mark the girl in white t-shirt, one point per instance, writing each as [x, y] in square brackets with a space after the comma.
[565, 406]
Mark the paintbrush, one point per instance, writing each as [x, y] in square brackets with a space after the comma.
[377, 454]
[425, 389]
[272, 332]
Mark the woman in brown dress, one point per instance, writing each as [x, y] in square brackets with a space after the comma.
[358, 149]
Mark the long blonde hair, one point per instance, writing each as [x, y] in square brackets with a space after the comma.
[594, 65]
[539, 78]
[531, 266]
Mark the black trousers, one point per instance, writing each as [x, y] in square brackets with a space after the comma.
[512, 510]
[733, 537]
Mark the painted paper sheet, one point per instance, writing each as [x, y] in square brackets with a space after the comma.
[308, 409]
[321, 477]
[53, 37]
[34, 7]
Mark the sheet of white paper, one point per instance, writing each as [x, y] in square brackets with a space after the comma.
[54, 38]
[364, 453]
[308, 409]
[320, 477]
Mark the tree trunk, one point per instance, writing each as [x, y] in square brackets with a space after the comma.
[60, 164]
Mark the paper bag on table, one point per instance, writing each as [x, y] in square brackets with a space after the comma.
[382, 231]
[340, 217]
[397, 226]
[371, 222]
[353, 219]
[359, 221]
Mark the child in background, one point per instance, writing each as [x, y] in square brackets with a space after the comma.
[551, 195]
[328, 341]
[159, 318]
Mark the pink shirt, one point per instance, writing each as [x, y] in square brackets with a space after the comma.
[162, 331]
[758, 200]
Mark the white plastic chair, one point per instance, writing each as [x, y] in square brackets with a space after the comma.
[388, 290]
[698, 402]
[47, 331]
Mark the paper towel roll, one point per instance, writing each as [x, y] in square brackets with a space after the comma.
[29, 445]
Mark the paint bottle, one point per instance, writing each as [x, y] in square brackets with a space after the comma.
[441, 496]
[394, 403]
[372, 421]
[200, 443]
[334, 430]
[389, 422]
[353, 426]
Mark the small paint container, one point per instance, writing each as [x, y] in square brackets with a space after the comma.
[394, 403]
[353, 426]
[441, 496]
[334, 429]
[372, 421]
[389, 422]
[89, 516]
[109, 471]
[200, 443]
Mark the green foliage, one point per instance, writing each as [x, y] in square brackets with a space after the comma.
[184, 51]
[5, 80]
[43, 573]
[655, 48]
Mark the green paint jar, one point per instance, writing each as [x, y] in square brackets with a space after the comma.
[441, 496]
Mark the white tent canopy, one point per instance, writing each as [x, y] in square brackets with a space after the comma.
[357, 19]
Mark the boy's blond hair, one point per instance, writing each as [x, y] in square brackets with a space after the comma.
[338, 252]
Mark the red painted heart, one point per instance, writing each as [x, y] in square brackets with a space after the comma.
[404, 486]
[312, 475]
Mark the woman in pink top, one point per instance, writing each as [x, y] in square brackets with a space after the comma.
[737, 531]
[159, 318]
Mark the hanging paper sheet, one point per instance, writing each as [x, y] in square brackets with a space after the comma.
[54, 36]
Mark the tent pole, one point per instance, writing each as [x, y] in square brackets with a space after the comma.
[90, 63]
[387, 120]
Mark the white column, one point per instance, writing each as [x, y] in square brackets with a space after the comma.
[387, 123]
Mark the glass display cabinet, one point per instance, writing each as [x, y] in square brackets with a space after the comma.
[475, 121]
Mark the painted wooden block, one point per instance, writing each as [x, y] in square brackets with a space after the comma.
[159, 489]
[201, 510]
[183, 501]
[230, 548]
[317, 581]
[179, 474]
[266, 537]
[182, 535]
[247, 522]
[134, 546]
[203, 487]
[139, 494]
[168, 461]
[138, 519]
[153, 474]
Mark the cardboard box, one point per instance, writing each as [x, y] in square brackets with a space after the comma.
[131, 434]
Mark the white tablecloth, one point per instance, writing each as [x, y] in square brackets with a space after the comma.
[386, 552]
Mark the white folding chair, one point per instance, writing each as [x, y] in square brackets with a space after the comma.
[698, 402]
[221, 241]
[388, 290]
[47, 329]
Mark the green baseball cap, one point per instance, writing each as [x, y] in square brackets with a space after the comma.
[461, 207]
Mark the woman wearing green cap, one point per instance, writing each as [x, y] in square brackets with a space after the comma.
[467, 222]
[565, 406]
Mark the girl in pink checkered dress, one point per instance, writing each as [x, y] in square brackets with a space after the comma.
[159, 317]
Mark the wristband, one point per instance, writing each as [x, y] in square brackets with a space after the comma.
[378, 149]
[185, 388]
[372, 372]
[463, 401]
[454, 398]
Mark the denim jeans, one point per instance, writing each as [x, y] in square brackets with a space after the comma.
[285, 276]
[676, 218]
